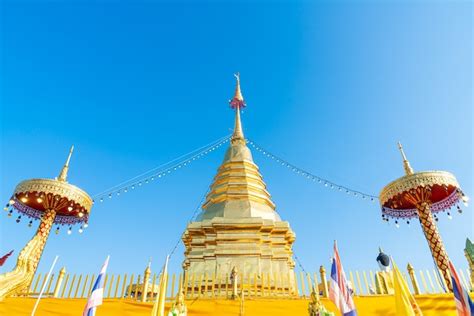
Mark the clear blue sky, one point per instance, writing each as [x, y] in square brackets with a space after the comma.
[331, 87]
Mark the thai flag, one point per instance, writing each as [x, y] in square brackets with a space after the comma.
[339, 291]
[464, 303]
[97, 292]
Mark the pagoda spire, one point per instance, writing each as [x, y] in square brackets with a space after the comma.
[63, 174]
[237, 102]
[406, 163]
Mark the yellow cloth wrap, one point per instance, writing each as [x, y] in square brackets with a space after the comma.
[431, 305]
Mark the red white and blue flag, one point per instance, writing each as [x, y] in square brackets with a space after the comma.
[339, 292]
[464, 304]
[97, 293]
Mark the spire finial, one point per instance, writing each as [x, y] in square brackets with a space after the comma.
[406, 163]
[237, 102]
[63, 174]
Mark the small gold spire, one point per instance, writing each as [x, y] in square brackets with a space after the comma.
[406, 163]
[63, 174]
[238, 94]
[237, 102]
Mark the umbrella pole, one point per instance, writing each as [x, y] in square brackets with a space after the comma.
[434, 240]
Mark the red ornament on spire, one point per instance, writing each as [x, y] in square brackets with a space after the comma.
[237, 102]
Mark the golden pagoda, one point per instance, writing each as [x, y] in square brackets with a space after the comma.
[238, 227]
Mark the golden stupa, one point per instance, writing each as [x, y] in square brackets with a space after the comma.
[239, 227]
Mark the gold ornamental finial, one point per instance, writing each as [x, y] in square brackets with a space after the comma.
[236, 103]
[238, 93]
[406, 163]
[63, 174]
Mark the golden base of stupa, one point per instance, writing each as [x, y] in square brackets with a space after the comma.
[431, 305]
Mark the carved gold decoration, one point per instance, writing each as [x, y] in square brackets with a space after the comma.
[52, 201]
[56, 188]
[18, 280]
[413, 181]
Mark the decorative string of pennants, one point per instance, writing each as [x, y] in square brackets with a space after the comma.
[164, 170]
[161, 171]
[308, 175]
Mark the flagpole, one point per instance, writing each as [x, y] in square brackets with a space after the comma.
[44, 286]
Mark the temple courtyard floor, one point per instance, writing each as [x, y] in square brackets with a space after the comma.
[431, 305]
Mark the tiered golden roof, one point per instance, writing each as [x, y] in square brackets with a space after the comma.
[238, 189]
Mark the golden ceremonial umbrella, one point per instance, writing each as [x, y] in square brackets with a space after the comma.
[422, 195]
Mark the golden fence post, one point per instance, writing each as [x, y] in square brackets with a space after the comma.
[124, 284]
[193, 281]
[91, 284]
[324, 281]
[213, 283]
[443, 280]
[316, 282]
[359, 283]
[36, 283]
[430, 280]
[372, 280]
[226, 285]
[84, 286]
[71, 286]
[219, 278]
[50, 282]
[351, 275]
[200, 285]
[255, 284]
[275, 284]
[117, 286]
[470, 276]
[303, 289]
[180, 283]
[105, 282]
[173, 281]
[414, 281]
[265, 286]
[137, 287]
[65, 285]
[270, 286]
[295, 279]
[439, 287]
[129, 292]
[186, 283]
[77, 286]
[308, 276]
[463, 280]
[61, 274]
[378, 285]
[154, 286]
[110, 286]
[366, 282]
[423, 281]
[44, 281]
[146, 279]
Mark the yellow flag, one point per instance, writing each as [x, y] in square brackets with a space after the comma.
[404, 302]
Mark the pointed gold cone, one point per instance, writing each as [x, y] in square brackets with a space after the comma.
[159, 306]
[238, 93]
[238, 135]
[63, 174]
[406, 163]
